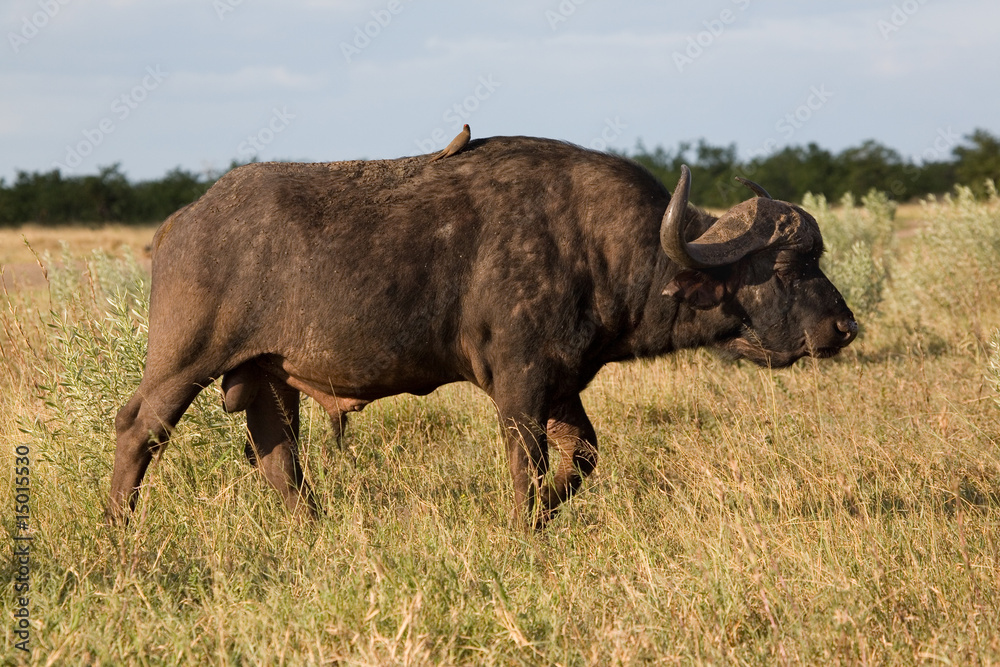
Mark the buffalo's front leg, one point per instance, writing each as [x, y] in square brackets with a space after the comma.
[572, 434]
[521, 423]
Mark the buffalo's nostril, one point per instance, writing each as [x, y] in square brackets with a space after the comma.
[849, 328]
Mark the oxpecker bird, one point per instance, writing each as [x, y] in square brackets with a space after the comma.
[457, 144]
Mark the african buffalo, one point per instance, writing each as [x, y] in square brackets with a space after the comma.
[521, 265]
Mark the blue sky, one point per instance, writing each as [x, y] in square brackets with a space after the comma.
[197, 83]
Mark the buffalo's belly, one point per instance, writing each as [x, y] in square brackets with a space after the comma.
[360, 374]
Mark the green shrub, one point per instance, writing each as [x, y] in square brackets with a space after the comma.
[950, 280]
[859, 241]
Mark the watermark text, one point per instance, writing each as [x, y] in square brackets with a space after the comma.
[121, 108]
[280, 119]
[899, 16]
[22, 548]
[459, 113]
[703, 40]
[370, 30]
[32, 25]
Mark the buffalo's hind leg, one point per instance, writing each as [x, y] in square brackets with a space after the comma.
[338, 424]
[571, 433]
[143, 426]
[273, 427]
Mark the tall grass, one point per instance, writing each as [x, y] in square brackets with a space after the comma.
[950, 287]
[993, 372]
[842, 511]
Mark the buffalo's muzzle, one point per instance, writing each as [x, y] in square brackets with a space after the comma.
[848, 330]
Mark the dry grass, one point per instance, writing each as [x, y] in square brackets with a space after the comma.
[79, 241]
[840, 512]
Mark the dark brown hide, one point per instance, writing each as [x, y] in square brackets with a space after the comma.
[521, 265]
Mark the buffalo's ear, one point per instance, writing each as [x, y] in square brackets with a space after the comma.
[697, 288]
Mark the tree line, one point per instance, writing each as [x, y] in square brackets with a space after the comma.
[794, 171]
[789, 173]
[49, 198]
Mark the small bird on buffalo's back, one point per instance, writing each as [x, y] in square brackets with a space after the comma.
[457, 144]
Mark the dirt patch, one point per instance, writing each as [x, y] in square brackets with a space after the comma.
[20, 267]
[22, 276]
[79, 241]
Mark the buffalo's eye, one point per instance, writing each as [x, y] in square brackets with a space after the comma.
[788, 271]
[785, 268]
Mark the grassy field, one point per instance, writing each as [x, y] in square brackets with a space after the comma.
[838, 512]
[79, 241]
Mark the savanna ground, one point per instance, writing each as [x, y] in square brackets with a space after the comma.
[838, 512]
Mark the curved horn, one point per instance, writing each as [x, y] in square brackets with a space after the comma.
[757, 190]
[672, 226]
[740, 231]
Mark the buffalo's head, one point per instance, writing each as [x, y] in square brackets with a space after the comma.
[759, 264]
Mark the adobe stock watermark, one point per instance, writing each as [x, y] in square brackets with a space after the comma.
[22, 547]
[698, 43]
[223, 7]
[794, 120]
[121, 108]
[944, 141]
[278, 122]
[459, 113]
[35, 23]
[613, 129]
[899, 16]
[370, 30]
[786, 127]
[562, 12]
